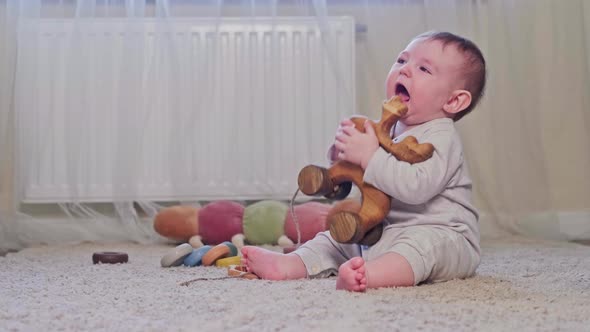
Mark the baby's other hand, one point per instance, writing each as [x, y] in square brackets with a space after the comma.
[347, 122]
[333, 152]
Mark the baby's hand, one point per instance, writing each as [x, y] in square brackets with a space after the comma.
[355, 146]
[333, 152]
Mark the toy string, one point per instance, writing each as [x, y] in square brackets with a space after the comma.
[295, 218]
[186, 283]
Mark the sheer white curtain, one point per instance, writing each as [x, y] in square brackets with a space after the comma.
[527, 142]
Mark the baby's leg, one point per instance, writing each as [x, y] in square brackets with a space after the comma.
[389, 270]
[411, 255]
[273, 265]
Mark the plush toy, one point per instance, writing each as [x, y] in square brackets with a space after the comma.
[264, 222]
[362, 223]
[177, 223]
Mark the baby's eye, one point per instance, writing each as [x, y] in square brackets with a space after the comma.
[401, 61]
[424, 69]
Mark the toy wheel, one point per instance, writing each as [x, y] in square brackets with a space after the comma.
[314, 180]
[373, 235]
[341, 191]
[344, 226]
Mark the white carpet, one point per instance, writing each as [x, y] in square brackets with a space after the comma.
[522, 285]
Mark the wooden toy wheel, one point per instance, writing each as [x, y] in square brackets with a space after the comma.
[344, 227]
[373, 235]
[341, 191]
[315, 181]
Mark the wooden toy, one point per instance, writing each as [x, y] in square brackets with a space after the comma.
[221, 250]
[226, 262]
[240, 271]
[109, 257]
[176, 256]
[365, 225]
[195, 258]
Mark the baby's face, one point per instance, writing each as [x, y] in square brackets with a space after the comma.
[424, 76]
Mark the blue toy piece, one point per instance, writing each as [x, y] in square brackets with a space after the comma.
[195, 258]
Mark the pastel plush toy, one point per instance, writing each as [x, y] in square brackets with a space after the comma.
[265, 222]
[219, 221]
[350, 223]
[178, 223]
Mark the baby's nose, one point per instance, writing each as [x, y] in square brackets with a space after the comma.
[405, 70]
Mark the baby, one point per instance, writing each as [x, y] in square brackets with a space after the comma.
[431, 233]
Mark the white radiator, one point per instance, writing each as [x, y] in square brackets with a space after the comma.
[181, 109]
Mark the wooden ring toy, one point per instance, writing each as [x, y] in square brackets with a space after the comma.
[195, 258]
[109, 257]
[176, 256]
[222, 250]
[217, 252]
[226, 262]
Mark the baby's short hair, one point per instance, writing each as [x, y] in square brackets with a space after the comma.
[475, 65]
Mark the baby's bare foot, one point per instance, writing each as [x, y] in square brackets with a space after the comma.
[273, 265]
[352, 275]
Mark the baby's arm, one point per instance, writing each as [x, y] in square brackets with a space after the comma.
[417, 183]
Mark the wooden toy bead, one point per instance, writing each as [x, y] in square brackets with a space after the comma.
[240, 271]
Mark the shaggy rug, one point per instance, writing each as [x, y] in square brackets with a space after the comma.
[521, 285]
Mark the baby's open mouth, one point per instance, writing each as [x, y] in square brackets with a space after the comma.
[402, 92]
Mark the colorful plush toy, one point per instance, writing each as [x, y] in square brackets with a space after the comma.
[362, 224]
[264, 222]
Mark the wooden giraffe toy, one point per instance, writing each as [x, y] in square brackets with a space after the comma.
[362, 225]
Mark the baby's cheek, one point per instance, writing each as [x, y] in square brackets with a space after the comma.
[390, 87]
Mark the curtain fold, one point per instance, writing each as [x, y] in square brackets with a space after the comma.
[526, 143]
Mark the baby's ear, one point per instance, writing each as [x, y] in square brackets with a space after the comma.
[457, 102]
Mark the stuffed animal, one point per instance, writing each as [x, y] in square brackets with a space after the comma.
[362, 223]
[264, 222]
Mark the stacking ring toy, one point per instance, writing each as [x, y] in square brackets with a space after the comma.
[226, 262]
[222, 250]
[176, 256]
[195, 258]
[109, 257]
